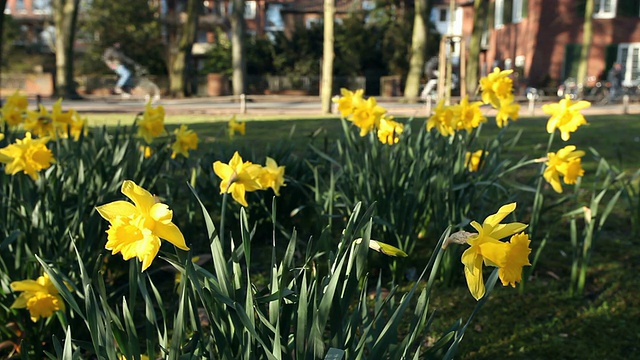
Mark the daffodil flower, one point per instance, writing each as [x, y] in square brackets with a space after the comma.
[383, 248]
[472, 160]
[14, 108]
[236, 126]
[152, 123]
[486, 247]
[507, 109]
[441, 120]
[136, 229]
[467, 115]
[272, 176]
[27, 155]
[565, 162]
[565, 116]
[40, 123]
[186, 140]
[39, 296]
[389, 130]
[238, 177]
[367, 114]
[496, 86]
[346, 101]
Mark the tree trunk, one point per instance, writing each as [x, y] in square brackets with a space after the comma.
[418, 50]
[327, 56]
[180, 51]
[65, 15]
[481, 9]
[237, 47]
[587, 35]
[3, 4]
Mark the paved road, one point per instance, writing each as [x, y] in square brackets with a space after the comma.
[285, 105]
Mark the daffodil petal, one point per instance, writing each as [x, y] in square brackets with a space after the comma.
[495, 219]
[27, 285]
[475, 282]
[504, 230]
[141, 197]
[117, 208]
[172, 234]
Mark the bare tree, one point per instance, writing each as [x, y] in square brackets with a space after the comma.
[480, 14]
[327, 56]
[587, 38]
[418, 50]
[65, 16]
[183, 26]
[238, 60]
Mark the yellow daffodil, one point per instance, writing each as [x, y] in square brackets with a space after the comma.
[40, 123]
[441, 119]
[516, 258]
[467, 115]
[235, 126]
[136, 229]
[346, 101]
[146, 151]
[383, 248]
[39, 296]
[495, 86]
[389, 130]
[14, 109]
[1, 136]
[186, 140]
[367, 114]
[272, 176]
[238, 177]
[565, 162]
[508, 109]
[75, 126]
[27, 155]
[486, 247]
[565, 116]
[152, 124]
[472, 160]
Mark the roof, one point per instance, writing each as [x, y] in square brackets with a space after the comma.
[317, 6]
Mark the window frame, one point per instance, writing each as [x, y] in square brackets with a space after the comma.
[627, 64]
[498, 21]
[516, 11]
[599, 13]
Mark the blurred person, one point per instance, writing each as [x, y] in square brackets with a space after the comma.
[614, 77]
[117, 61]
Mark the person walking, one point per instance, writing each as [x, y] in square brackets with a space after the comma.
[614, 77]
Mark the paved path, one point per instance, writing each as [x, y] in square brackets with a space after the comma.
[285, 105]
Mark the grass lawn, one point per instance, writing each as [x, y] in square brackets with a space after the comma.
[543, 322]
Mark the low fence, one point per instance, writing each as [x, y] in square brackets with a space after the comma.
[29, 84]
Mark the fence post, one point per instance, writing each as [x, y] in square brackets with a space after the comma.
[625, 104]
[428, 105]
[243, 104]
[532, 105]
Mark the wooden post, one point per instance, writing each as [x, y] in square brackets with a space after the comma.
[625, 103]
[243, 104]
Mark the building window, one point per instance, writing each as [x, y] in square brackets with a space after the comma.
[508, 64]
[20, 8]
[604, 9]
[440, 18]
[274, 18]
[520, 61]
[499, 14]
[41, 7]
[517, 11]
[629, 57]
[250, 10]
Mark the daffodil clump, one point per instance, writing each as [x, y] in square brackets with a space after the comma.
[27, 155]
[368, 116]
[235, 126]
[497, 90]
[38, 296]
[462, 116]
[14, 109]
[486, 247]
[239, 177]
[136, 229]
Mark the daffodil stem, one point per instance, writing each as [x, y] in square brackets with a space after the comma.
[223, 212]
[538, 199]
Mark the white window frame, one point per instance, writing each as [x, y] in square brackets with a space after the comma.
[250, 9]
[272, 8]
[600, 13]
[627, 63]
[498, 20]
[43, 8]
[516, 14]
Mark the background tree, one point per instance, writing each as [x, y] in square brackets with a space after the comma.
[480, 14]
[237, 47]
[587, 38]
[182, 24]
[65, 16]
[418, 49]
[138, 32]
[327, 56]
